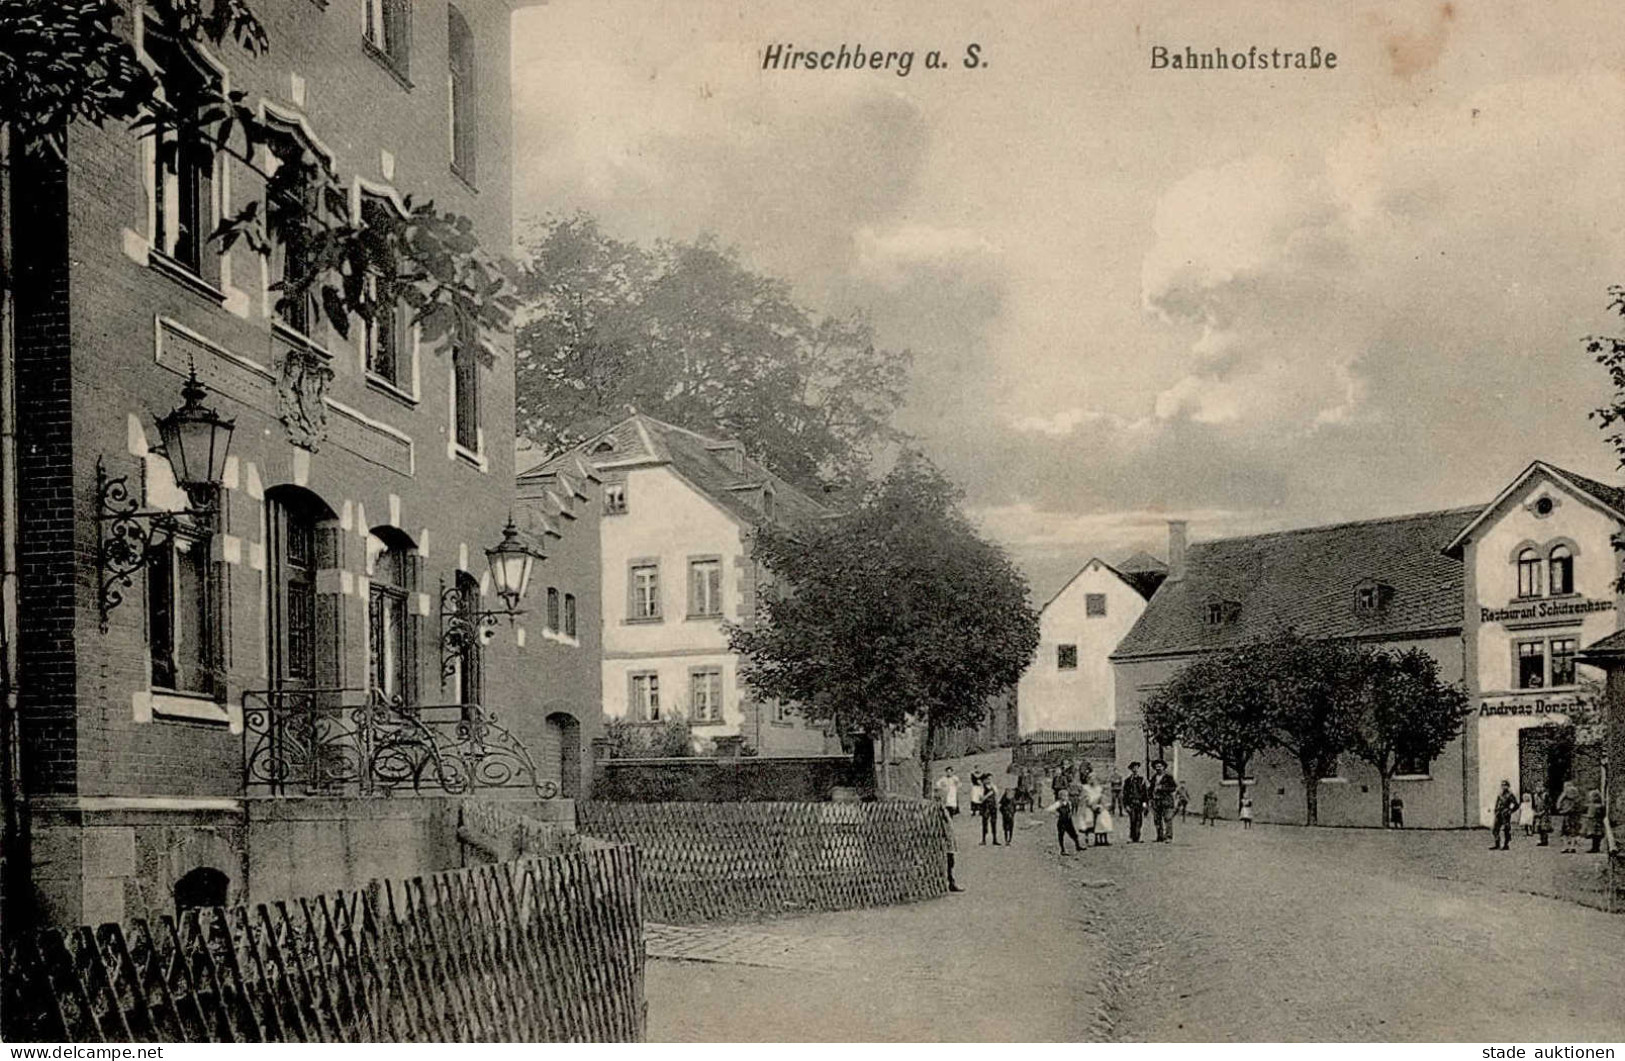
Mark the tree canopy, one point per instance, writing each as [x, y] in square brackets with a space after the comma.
[895, 612]
[1218, 705]
[73, 61]
[687, 333]
[1315, 700]
[1406, 713]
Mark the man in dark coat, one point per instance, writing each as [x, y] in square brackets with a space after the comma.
[1136, 794]
[1164, 798]
[1506, 809]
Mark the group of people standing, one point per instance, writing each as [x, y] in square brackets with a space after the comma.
[1579, 818]
[1086, 808]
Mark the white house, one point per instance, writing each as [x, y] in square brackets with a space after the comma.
[678, 512]
[1069, 687]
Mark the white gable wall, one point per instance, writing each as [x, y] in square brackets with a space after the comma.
[1084, 698]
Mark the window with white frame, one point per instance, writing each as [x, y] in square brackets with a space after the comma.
[645, 589]
[182, 630]
[1528, 573]
[705, 587]
[386, 26]
[1412, 764]
[554, 610]
[782, 713]
[646, 696]
[615, 499]
[1066, 657]
[1531, 664]
[1563, 649]
[1231, 773]
[1560, 568]
[294, 211]
[1094, 605]
[183, 171]
[705, 694]
[570, 615]
[385, 334]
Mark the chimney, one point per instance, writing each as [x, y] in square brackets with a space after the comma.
[1176, 550]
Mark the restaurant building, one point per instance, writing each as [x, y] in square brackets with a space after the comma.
[1503, 595]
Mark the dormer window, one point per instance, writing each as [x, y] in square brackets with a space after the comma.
[1219, 612]
[605, 446]
[768, 507]
[1371, 598]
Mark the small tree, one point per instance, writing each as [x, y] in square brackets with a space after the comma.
[1313, 688]
[1219, 706]
[1405, 711]
[895, 612]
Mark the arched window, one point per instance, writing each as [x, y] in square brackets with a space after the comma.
[1528, 573]
[391, 622]
[1562, 570]
[461, 94]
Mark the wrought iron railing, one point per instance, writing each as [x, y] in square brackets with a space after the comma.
[358, 742]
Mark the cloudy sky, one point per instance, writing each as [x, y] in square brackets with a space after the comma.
[1249, 299]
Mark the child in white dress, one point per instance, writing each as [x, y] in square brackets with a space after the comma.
[1526, 815]
[1246, 812]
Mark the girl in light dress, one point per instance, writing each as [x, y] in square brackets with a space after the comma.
[1246, 811]
[1526, 814]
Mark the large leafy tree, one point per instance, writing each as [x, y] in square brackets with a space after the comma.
[896, 612]
[1404, 711]
[72, 61]
[1314, 687]
[1218, 705]
[685, 332]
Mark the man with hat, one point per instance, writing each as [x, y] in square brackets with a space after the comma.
[1136, 794]
[1164, 797]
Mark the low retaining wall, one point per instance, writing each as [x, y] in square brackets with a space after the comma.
[539, 950]
[736, 861]
[501, 832]
[800, 779]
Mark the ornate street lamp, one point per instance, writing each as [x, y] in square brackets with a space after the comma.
[196, 442]
[511, 562]
[463, 624]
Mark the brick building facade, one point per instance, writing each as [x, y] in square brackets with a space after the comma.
[366, 474]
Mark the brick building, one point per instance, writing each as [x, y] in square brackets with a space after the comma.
[367, 474]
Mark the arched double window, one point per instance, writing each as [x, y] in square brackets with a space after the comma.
[1561, 568]
[1528, 573]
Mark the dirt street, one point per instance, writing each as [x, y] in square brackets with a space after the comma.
[1296, 934]
[1273, 934]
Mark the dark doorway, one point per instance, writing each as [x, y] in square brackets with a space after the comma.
[564, 735]
[1545, 758]
[202, 887]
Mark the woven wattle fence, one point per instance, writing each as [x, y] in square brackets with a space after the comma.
[734, 861]
[540, 950]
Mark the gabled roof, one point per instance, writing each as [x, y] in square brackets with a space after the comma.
[1609, 498]
[1134, 580]
[1306, 580]
[704, 461]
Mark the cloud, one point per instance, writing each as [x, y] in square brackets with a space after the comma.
[1067, 422]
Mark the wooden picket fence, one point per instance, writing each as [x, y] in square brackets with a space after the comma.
[737, 861]
[536, 950]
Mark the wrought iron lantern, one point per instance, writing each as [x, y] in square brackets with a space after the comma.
[463, 624]
[196, 442]
[511, 562]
